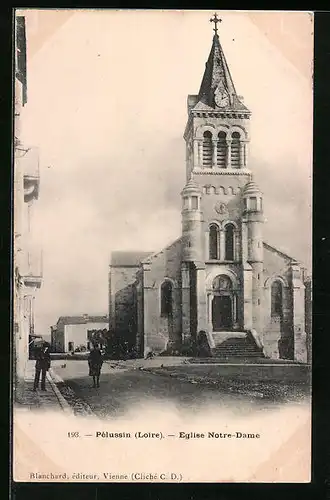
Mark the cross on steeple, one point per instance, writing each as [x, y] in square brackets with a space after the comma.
[215, 19]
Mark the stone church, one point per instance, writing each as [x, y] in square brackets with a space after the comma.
[219, 277]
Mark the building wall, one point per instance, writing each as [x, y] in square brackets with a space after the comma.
[126, 315]
[141, 293]
[158, 330]
[58, 344]
[140, 313]
[278, 333]
[308, 318]
[26, 187]
[19, 333]
[78, 333]
[225, 189]
[121, 280]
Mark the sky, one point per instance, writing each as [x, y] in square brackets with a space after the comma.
[107, 109]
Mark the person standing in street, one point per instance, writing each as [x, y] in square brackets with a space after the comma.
[42, 366]
[95, 362]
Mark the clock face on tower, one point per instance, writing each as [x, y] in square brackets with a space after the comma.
[221, 98]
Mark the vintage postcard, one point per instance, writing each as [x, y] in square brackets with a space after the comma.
[162, 246]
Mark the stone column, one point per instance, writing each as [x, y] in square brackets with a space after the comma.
[271, 332]
[222, 241]
[214, 154]
[247, 280]
[206, 245]
[174, 322]
[298, 296]
[234, 312]
[209, 306]
[241, 155]
[228, 155]
[196, 155]
[200, 154]
[209, 319]
[202, 323]
[247, 287]
[185, 278]
[236, 246]
[266, 311]
[245, 152]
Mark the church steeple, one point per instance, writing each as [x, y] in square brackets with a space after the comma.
[217, 130]
[217, 89]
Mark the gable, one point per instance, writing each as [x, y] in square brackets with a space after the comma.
[128, 259]
[276, 262]
[164, 264]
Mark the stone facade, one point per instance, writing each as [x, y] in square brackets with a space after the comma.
[28, 273]
[219, 277]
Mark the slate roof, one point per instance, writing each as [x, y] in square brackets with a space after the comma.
[275, 250]
[151, 257]
[217, 74]
[270, 248]
[128, 259]
[81, 320]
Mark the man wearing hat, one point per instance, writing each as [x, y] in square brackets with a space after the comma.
[42, 366]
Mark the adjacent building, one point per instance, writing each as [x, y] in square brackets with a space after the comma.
[73, 333]
[220, 276]
[27, 259]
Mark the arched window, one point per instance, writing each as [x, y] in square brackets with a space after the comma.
[221, 150]
[276, 299]
[229, 242]
[214, 242]
[207, 149]
[235, 150]
[166, 299]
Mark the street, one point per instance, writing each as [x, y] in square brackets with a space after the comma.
[166, 420]
[123, 390]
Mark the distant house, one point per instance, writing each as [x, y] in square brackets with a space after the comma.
[72, 332]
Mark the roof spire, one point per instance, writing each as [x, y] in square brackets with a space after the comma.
[217, 89]
[215, 19]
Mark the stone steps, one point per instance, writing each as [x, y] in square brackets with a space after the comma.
[237, 346]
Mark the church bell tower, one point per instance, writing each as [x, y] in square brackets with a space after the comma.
[217, 131]
[222, 207]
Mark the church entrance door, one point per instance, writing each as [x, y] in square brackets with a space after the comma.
[222, 317]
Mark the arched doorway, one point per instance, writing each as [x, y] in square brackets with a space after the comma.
[223, 304]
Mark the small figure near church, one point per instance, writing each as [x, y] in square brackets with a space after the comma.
[203, 347]
[42, 366]
[95, 362]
